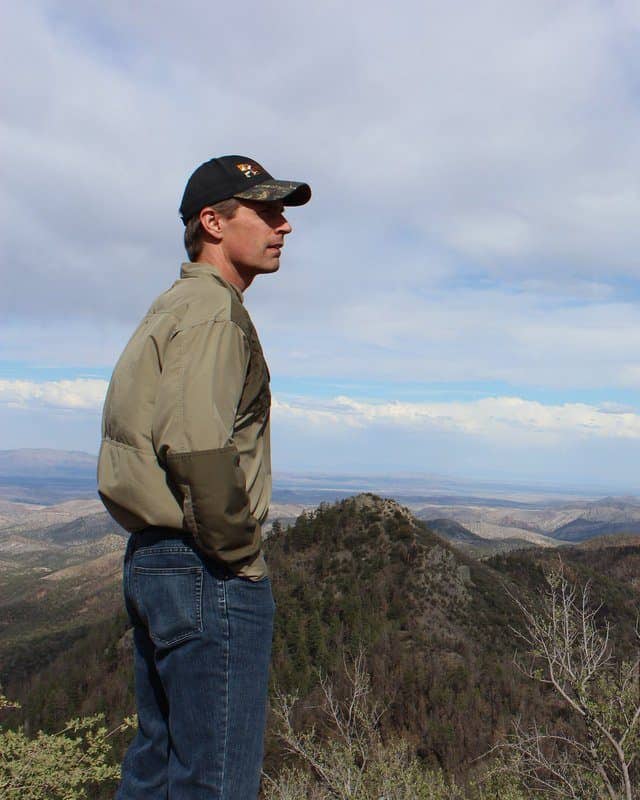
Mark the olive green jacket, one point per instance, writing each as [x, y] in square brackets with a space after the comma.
[185, 428]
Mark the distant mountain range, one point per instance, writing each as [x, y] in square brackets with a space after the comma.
[46, 476]
[472, 544]
[53, 478]
[43, 463]
[545, 524]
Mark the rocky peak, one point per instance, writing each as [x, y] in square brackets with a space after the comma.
[383, 506]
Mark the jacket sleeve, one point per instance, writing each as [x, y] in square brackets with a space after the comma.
[203, 376]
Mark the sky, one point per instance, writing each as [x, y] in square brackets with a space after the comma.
[460, 297]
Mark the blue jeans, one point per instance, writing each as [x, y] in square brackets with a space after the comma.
[202, 639]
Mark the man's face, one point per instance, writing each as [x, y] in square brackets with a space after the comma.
[254, 236]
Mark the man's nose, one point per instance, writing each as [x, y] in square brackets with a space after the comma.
[285, 226]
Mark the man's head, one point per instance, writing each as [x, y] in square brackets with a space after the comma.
[232, 209]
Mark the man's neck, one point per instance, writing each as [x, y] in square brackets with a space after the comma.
[227, 271]
[213, 253]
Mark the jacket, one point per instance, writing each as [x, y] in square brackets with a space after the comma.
[185, 427]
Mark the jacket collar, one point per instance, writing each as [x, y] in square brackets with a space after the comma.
[192, 269]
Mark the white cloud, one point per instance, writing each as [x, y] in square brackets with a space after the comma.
[494, 418]
[506, 438]
[81, 394]
[544, 336]
[529, 338]
[474, 176]
[506, 135]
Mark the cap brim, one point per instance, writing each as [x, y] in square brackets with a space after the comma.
[289, 192]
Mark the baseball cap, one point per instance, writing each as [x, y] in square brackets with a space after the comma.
[237, 176]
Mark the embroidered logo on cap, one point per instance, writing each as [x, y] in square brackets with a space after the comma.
[248, 170]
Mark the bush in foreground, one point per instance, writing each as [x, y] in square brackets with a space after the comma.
[349, 760]
[68, 765]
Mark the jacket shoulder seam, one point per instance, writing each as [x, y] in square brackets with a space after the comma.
[214, 321]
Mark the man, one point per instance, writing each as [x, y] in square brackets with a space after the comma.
[185, 467]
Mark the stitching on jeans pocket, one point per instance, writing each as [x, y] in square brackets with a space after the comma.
[169, 600]
[153, 550]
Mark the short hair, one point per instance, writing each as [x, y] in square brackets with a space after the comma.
[194, 233]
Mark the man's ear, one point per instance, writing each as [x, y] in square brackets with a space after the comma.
[211, 222]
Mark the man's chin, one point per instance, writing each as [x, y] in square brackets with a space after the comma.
[267, 269]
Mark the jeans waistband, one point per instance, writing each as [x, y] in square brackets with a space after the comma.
[153, 534]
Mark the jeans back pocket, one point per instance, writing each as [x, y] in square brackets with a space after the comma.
[169, 601]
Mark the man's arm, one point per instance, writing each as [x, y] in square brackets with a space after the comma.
[202, 382]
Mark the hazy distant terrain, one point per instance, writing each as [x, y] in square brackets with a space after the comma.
[472, 544]
[46, 476]
[42, 487]
[548, 524]
[30, 516]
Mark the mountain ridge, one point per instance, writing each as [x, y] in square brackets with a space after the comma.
[436, 625]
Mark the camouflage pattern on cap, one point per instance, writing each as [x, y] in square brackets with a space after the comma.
[291, 193]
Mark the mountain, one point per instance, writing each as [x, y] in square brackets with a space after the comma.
[84, 529]
[16, 517]
[605, 542]
[547, 523]
[581, 529]
[45, 463]
[469, 542]
[56, 581]
[609, 557]
[453, 531]
[491, 511]
[493, 522]
[46, 476]
[607, 517]
[437, 625]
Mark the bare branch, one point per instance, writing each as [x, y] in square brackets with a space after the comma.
[573, 654]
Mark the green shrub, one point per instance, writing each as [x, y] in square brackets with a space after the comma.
[68, 765]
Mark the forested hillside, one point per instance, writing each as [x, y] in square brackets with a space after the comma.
[436, 625]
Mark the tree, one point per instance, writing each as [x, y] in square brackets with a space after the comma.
[597, 754]
[68, 765]
[349, 760]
